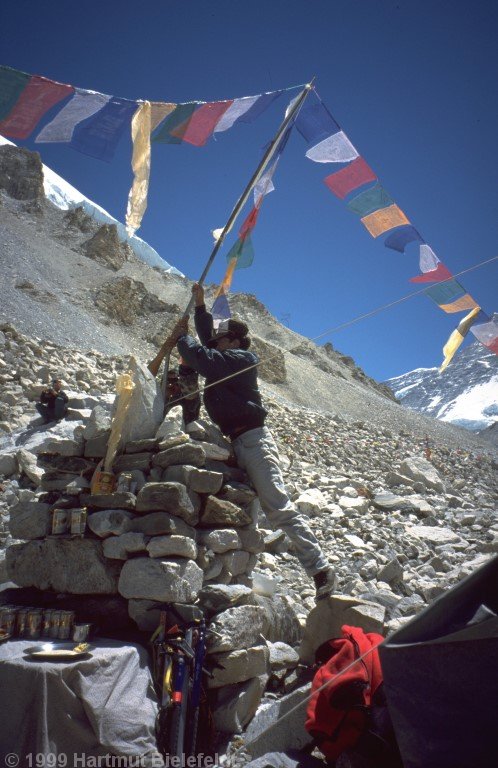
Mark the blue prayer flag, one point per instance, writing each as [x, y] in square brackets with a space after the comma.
[399, 239]
[314, 122]
[98, 135]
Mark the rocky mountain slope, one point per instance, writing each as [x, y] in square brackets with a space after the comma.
[70, 280]
[465, 394]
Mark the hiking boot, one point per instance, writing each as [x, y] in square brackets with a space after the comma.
[325, 583]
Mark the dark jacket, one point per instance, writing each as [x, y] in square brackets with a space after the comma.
[234, 405]
[48, 398]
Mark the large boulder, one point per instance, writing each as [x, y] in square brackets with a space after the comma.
[167, 497]
[238, 627]
[106, 248]
[145, 411]
[63, 565]
[422, 471]
[30, 520]
[21, 173]
[167, 581]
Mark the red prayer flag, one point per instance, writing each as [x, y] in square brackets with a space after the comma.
[434, 276]
[354, 175]
[202, 123]
[36, 99]
[250, 222]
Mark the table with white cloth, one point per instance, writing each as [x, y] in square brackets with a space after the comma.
[92, 706]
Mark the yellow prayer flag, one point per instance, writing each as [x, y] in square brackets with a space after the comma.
[459, 305]
[381, 221]
[159, 110]
[137, 199]
[457, 337]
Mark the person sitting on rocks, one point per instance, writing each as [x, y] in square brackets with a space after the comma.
[233, 401]
[53, 402]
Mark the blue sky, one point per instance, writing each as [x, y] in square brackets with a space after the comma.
[413, 85]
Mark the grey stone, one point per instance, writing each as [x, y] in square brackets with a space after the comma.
[160, 523]
[281, 621]
[145, 411]
[220, 512]
[109, 522]
[391, 571]
[252, 539]
[433, 534]
[290, 710]
[219, 540]
[77, 566]
[109, 500]
[119, 547]
[188, 453]
[28, 464]
[99, 423]
[140, 446]
[198, 480]
[282, 656]
[128, 461]
[236, 561]
[96, 447]
[390, 501]
[239, 627]
[172, 580]
[419, 469]
[238, 666]
[218, 597]
[237, 493]
[145, 614]
[234, 705]
[168, 546]
[326, 619]
[167, 497]
[30, 520]
[8, 464]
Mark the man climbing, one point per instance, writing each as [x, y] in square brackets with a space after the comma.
[53, 402]
[233, 401]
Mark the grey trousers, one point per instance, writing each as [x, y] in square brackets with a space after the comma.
[257, 453]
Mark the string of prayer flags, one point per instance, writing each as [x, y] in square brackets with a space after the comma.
[83, 105]
[402, 236]
[199, 126]
[458, 335]
[487, 333]
[246, 110]
[451, 296]
[370, 200]
[221, 308]
[384, 220]
[355, 175]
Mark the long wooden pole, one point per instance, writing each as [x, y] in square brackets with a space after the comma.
[154, 365]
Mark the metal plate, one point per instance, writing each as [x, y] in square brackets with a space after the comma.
[55, 651]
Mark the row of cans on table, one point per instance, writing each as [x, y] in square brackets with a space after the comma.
[33, 623]
[71, 521]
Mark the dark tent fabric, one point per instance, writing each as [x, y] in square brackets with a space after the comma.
[441, 678]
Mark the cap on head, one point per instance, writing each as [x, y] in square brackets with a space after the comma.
[231, 329]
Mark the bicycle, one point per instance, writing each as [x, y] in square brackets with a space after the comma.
[178, 653]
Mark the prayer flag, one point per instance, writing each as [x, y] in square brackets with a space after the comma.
[445, 292]
[12, 84]
[370, 200]
[487, 333]
[260, 105]
[199, 127]
[314, 122]
[241, 252]
[179, 116]
[434, 276]
[140, 163]
[235, 112]
[384, 220]
[427, 258]
[400, 238]
[36, 99]
[159, 111]
[250, 221]
[355, 175]
[265, 184]
[459, 305]
[220, 309]
[98, 136]
[457, 337]
[334, 149]
[84, 104]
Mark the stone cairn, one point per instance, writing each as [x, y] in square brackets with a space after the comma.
[187, 533]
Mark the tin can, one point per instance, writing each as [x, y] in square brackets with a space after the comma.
[78, 522]
[81, 632]
[124, 482]
[54, 624]
[21, 621]
[60, 521]
[65, 624]
[34, 621]
[103, 482]
[8, 620]
[47, 622]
